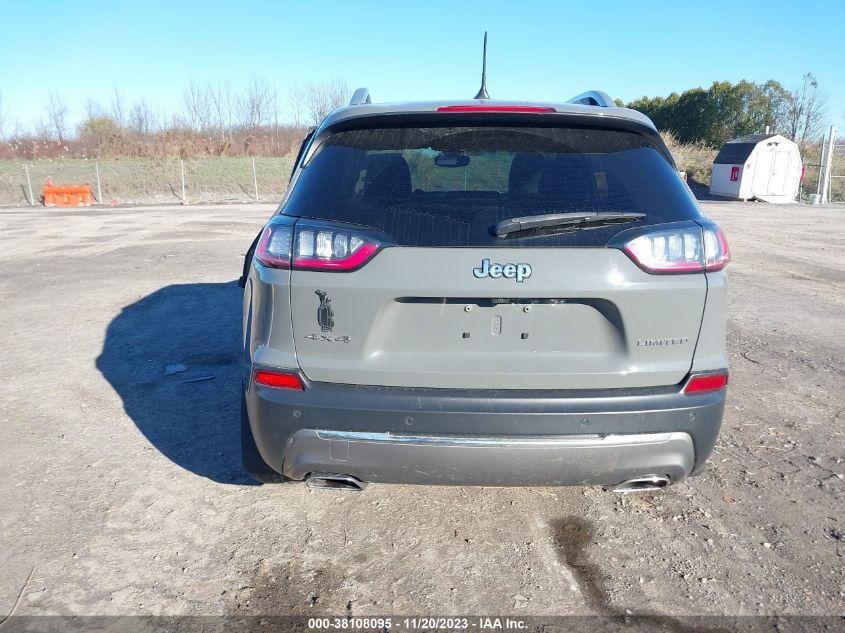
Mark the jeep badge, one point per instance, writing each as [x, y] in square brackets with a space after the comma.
[520, 272]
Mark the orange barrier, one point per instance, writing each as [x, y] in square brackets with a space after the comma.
[67, 196]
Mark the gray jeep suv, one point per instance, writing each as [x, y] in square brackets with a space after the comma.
[484, 293]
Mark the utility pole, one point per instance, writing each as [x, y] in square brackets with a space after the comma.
[254, 179]
[29, 185]
[824, 172]
[99, 191]
[182, 169]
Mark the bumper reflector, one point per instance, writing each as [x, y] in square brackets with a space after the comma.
[708, 382]
[279, 380]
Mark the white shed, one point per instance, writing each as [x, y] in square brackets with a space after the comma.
[762, 166]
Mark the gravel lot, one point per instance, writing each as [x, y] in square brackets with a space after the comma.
[122, 490]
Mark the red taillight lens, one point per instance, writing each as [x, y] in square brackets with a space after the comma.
[734, 174]
[495, 108]
[279, 380]
[313, 245]
[803, 172]
[685, 250]
[705, 383]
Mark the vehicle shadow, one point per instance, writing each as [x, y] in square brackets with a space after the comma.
[189, 413]
[573, 537]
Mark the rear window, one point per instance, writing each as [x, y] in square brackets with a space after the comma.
[449, 186]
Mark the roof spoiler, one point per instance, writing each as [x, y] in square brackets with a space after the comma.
[360, 97]
[593, 98]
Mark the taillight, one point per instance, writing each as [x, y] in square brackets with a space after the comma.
[683, 250]
[734, 174]
[706, 382]
[675, 251]
[332, 247]
[273, 248]
[315, 245]
[803, 171]
[716, 251]
[279, 380]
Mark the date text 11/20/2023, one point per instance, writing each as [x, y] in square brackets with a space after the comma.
[427, 623]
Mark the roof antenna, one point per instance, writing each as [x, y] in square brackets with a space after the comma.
[482, 92]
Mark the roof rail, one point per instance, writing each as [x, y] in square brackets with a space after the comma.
[360, 96]
[593, 98]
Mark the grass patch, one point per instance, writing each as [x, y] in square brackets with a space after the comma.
[146, 180]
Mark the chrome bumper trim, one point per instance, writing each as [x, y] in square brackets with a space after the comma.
[525, 442]
[489, 460]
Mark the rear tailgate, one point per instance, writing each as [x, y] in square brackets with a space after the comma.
[426, 310]
[418, 317]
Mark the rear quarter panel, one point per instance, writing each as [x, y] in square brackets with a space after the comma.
[711, 352]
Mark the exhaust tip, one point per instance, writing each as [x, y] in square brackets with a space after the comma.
[646, 483]
[334, 481]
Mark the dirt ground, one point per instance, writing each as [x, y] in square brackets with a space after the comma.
[122, 491]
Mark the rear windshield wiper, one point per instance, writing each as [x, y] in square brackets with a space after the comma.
[592, 218]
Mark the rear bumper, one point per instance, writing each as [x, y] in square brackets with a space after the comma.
[484, 437]
[501, 461]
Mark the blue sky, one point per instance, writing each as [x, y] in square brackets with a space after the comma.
[415, 50]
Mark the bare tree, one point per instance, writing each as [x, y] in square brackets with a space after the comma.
[197, 106]
[142, 118]
[806, 114]
[318, 103]
[297, 102]
[256, 103]
[57, 115]
[41, 129]
[93, 110]
[18, 130]
[338, 93]
[223, 106]
[3, 118]
[118, 109]
[254, 117]
[274, 119]
[325, 97]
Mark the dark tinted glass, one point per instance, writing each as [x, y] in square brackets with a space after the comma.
[449, 186]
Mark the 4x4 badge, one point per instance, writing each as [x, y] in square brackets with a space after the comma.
[325, 314]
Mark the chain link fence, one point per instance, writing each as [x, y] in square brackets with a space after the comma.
[145, 181]
[825, 183]
[234, 179]
[836, 182]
